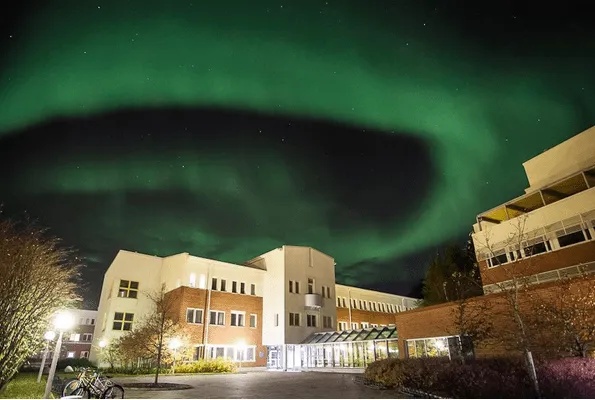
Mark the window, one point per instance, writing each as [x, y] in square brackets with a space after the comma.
[361, 306]
[122, 321]
[365, 325]
[74, 337]
[87, 337]
[344, 302]
[310, 285]
[128, 289]
[223, 282]
[327, 322]
[323, 288]
[238, 318]
[70, 354]
[87, 321]
[294, 319]
[194, 315]
[242, 288]
[342, 326]
[294, 287]
[232, 353]
[217, 318]
[253, 289]
[570, 238]
[234, 287]
[338, 302]
[214, 284]
[328, 292]
[192, 280]
[311, 320]
[374, 325]
[373, 306]
[92, 321]
[84, 354]
[354, 325]
[253, 320]
[276, 319]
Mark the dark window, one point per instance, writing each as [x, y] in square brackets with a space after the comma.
[242, 288]
[214, 284]
[234, 287]
[122, 321]
[571, 238]
[223, 282]
[253, 289]
[537, 248]
[500, 259]
[128, 289]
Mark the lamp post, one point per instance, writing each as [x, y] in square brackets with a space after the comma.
[49, 336]
[63, 321]
[241, 346]
[174, 344]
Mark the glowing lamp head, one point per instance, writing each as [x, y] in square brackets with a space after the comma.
[175, 343]
[102, 343]
[49, 335]
[63, 321]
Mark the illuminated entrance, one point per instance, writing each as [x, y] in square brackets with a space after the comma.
[349, 349]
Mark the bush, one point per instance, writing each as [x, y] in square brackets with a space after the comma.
[486, 378]
[567, 377]
[75, 363]
[218, 365]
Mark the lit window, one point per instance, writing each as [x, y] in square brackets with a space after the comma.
[70, 354]
[194, 315]
[75, 337]
[128, 289]
[122, 321]
[84, 354]
[192, 280]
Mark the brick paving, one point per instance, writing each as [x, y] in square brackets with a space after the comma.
[262, 385]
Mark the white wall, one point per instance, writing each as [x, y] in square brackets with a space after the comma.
[273, 295]
[374, 296]
[302, 263]
[494, 234]
[568, 157]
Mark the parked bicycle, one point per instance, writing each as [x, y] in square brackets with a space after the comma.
[92, 384]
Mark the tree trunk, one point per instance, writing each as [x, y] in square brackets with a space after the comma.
[530, 366]
[160, 346]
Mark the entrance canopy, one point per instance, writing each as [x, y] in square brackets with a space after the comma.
[387, 332]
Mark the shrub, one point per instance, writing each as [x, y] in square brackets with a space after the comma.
[567, 377]
[75, 363]
[218, 365]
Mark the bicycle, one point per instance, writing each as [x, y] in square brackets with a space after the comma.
[92, 384]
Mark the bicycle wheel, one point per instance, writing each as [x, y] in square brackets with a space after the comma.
[113, 392]
[71, 386]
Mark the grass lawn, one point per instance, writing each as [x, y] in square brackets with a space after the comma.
[24, 386]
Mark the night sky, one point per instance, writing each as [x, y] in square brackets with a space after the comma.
[374, 131]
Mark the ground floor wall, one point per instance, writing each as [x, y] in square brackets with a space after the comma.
[444, 320]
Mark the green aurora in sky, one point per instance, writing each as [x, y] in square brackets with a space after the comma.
[481, 111]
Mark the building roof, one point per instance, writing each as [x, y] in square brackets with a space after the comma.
[356, 335]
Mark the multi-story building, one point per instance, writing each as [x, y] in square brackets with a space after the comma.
[548, 232]
[257, 313]
[77, 344]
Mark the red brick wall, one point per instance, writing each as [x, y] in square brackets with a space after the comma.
[359, 316]
[565, 257]
[438, 320]
[186, 297]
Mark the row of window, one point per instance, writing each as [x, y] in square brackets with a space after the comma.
[87, 321]
[294, 287]
[237, 318]
[295, 319]
[449, 346]
[233, 353]
[236, 286]
[371, 305]
[77, 337]
[540, 244]
[343, 325]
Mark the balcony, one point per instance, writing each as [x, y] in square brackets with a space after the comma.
[313, 300]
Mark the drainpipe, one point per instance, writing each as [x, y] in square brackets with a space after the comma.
[206, 322]
[349, 302]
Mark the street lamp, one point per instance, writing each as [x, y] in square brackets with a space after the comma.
[102, 343]
[63, 321]
[241, 346]
[49, 336]
[174, 344]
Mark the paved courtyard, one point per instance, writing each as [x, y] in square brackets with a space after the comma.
[271, 385]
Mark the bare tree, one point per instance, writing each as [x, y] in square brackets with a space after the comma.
[514, 288]
[37, 278]
[566, 316]
[151, 338]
